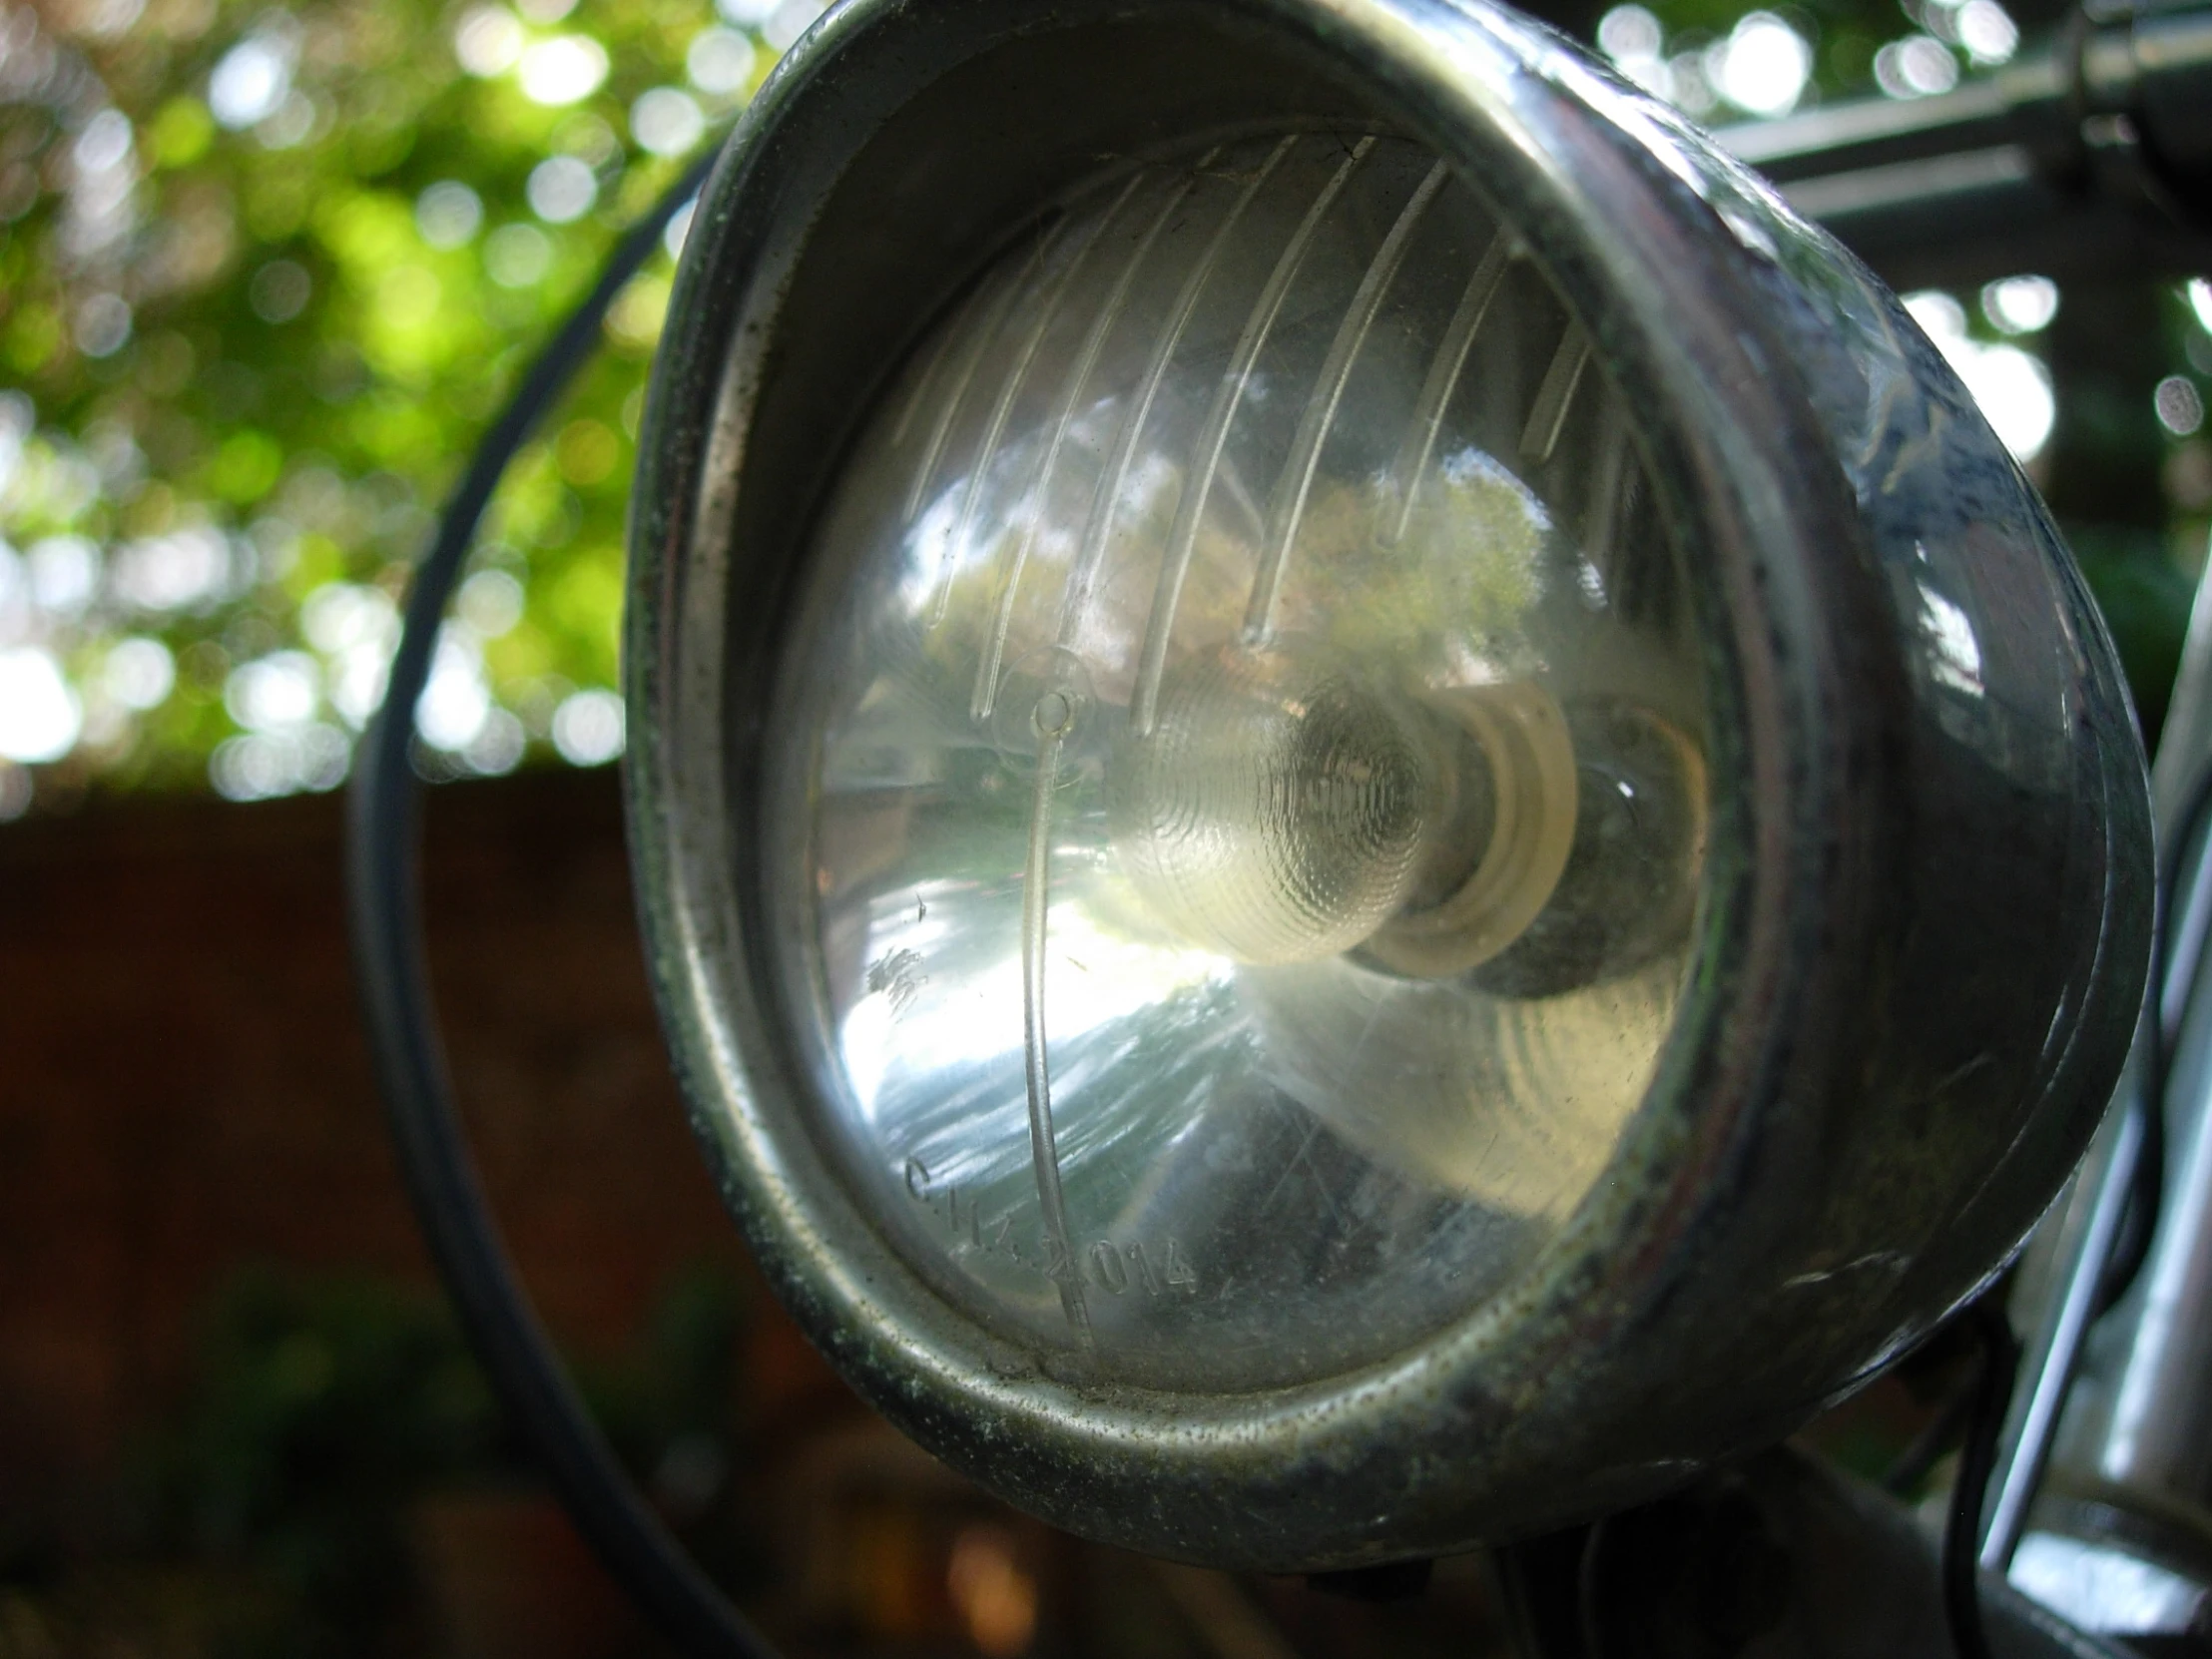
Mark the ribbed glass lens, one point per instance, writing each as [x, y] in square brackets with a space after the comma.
[1240, 789]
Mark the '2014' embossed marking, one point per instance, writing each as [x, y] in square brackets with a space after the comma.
[1115, 1267]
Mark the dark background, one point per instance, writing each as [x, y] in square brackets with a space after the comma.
[234, 1416]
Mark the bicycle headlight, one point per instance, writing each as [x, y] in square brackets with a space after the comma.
[1367, 811]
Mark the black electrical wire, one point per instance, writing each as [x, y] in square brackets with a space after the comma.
[1943, 1430]
[384, 832]
[1977, 1460]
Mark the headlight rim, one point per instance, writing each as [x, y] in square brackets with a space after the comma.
[1777, 716]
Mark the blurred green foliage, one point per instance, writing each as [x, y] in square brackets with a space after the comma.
[265, 276]
[266, 272]
[2146, 599]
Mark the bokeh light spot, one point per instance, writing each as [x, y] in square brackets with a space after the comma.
[720, 62]
[2179, 405]
[261, 766]
[488, 41]
[273, 693]
[564, 70]
[1919, 66]
[252, 80]
[666, 121]
[517, 255]
[996, 1600]
[139, 671]
[103, 325]
[2020, 304]
[455, 702]
[40, 716]
[588, 728]
[491, 602]
[2199, 295]
[498, 747]
[279, 290]
[1765, 65]
[790, 20]
[1987, 32]
[105, 143]
[64, 574]
[1629, 32]
[448, 214]
[560, 190]
[184, 569]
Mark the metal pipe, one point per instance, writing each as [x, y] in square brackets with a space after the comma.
[2058, 1347]
[2095, 156]
[2156, 1439]
[2131, 1472]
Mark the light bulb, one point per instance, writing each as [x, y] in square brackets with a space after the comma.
[1277, 811]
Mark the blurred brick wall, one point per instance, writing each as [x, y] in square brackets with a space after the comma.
[184, 1093]
[184, 1088]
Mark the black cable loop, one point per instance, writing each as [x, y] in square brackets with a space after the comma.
[383, 830]
[1977, 1460]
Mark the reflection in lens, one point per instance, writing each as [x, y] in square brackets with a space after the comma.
[1241, 785]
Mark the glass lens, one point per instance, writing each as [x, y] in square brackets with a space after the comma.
[1240, 790]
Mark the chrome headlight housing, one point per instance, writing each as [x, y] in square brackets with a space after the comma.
[1368, 815]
